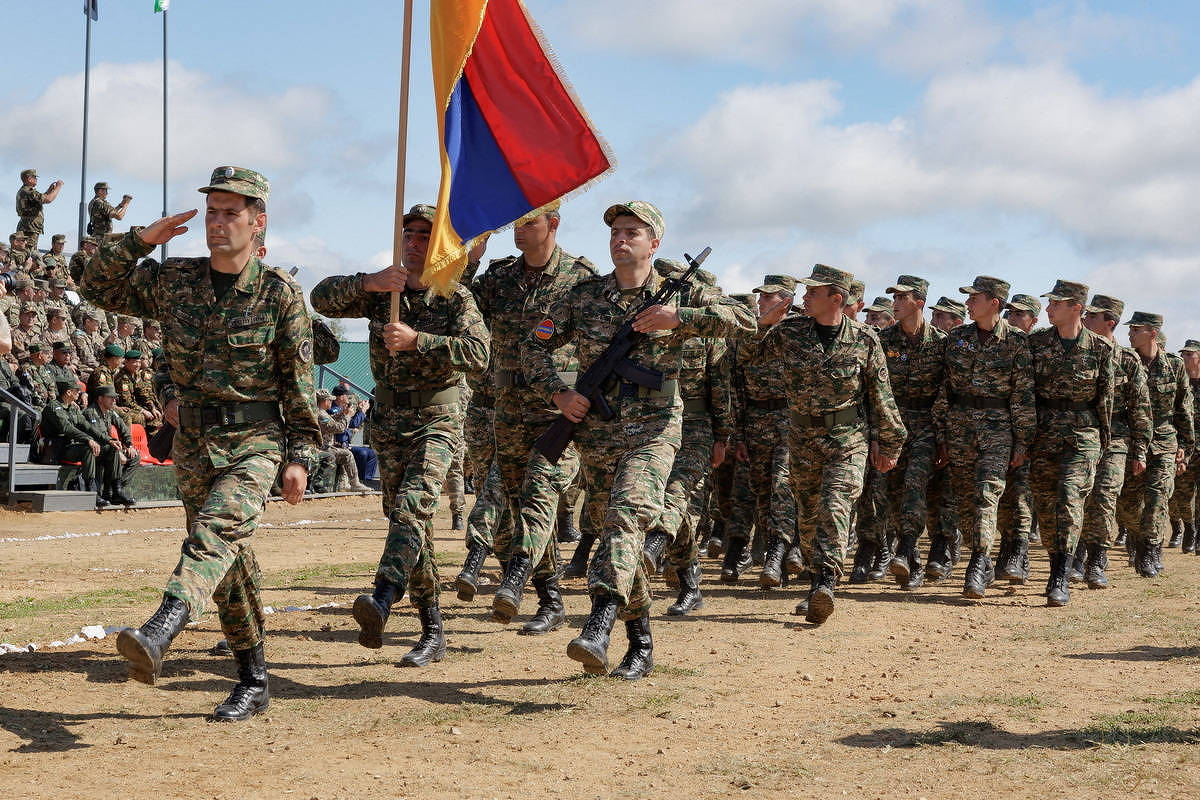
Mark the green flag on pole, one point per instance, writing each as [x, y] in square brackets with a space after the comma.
[161, 5]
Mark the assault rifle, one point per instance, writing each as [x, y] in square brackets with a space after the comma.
[614, 363]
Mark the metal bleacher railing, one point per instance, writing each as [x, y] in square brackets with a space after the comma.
[16, 407]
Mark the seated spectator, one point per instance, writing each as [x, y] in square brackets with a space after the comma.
[335, 457]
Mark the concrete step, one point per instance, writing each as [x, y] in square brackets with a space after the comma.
[30, 475]
[22, 453]
[55, 500]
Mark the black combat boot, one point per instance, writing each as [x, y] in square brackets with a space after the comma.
[468, 485]
[1075, 573]
[1189, 536]
[715, 546]
[507, 600]
[1013, 561]
[590, 647]
[117, 494]
[652, 551]
[1097, 562]
[794, 563]
[864, 556]
[882, 561]
[689, 598]
[550, 614]
[432, 644]
[1121, 539]
[578, 566]
[937, 562]
[1058, 588]
[737, 561]
[456, 521]
[567, 532]
[143, 647]
[1156, 551]
[371, 611]
[251, 695]
[1176, 533]
[802, 606]
[1143, 559]
[980, 575]
[467, 582]
[820, 599]
[771, 575]
[638, 660]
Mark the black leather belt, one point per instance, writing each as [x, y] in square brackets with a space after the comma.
[916, 403]
[830, 420]
[973, 401]
[772, 404]
[1063, 405]
[231, 414]
[387, 398]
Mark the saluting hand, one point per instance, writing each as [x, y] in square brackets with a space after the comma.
[165, 229]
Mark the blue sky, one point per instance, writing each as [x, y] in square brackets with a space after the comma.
[944, 138]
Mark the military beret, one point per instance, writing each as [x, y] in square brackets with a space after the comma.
[1025, 302]
[646, 212]
[133, 354]
[156, 352]
[114, 350]
[1190, 346]
[949, 306]
[771, 284]
[420, 211]
[63, 387]
[823, 275]
[1070, 291]
[238, 180]
[105, 390]
[58, 237]
[1145, 318]
[985, 284]
[1103, 304]
[909, 283]
[28, 173]
[100, 185]
[882, 304]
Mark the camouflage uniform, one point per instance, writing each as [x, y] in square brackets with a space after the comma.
[490, 523]
[418, 404]
[333, 456]
[242, 368]
[629, 457]
[29, 210]
[1183, 500]
[514, 300]
[100, 215]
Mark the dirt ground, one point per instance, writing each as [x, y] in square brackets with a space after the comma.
[918, 695]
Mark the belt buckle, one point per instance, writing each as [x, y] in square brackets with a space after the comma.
[226, 414]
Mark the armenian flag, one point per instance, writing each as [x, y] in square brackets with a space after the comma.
[514, 138]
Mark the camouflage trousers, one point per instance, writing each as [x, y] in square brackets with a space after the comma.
[626, 462]
[1100, 511]
[1014, 514]
[980, 450]
[720, 500]
[415, 448]
[1144, 503]
[489, 520]
[768, 466]
[827, 477]
[1061, 476]
[871, 510]
[223, 507]
[332, 461]
[1183, 499]
[942, 514]
[907, 500]
[455, 484]
[687, 491]
[739, 525]
[532, 485]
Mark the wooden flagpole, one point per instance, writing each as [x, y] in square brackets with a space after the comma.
[401, 153]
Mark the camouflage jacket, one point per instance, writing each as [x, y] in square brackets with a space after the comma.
[704, 380]
[101, 376]
[1000, 369]
[851, 374]
[100, 213]
[513, 301]
[451, 336]
[76, 264]
[1131, 424]
[1170, 405]
[589, 315]
[254, 345]
[41, 386]
[916, 368]
[1082, 373]
[54, 265]
[29, 208]
[330, 426]
[761, 374]
[89, 348]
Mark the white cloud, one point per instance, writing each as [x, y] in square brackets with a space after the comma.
[1063, 31]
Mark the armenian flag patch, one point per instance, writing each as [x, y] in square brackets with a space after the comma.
[544, 330]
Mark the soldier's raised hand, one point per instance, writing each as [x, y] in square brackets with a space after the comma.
[165, 229]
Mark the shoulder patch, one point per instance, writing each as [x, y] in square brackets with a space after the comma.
[544, 330]
[305, 351]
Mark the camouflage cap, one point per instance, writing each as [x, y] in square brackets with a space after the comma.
[28, 308]
[150, 323]
[62, 387]
[40, 284]
[644, 211]
[745, 299]
[985, 284]
[857, 290]
[114, 351]
[882, 304]
[58, 283]
[56, 313]
[63, 346]
[1070, 291]
[1025, 302]
[105, 390]
[238, 180]
[420, 211]
[125, 319]
[94, 314]
[133, 354]
[949, 306]
[1103, 304]
[1145, 319]
[823, 275]
[33, 347]
[909, 283]
[1191, 346]
[324, 394]
[20, 282]
[87, 240]
[12, 237]
[104, 185]
[58, 237]
[28, 173]
[771, 284]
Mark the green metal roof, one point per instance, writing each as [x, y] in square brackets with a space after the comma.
[354, 362]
